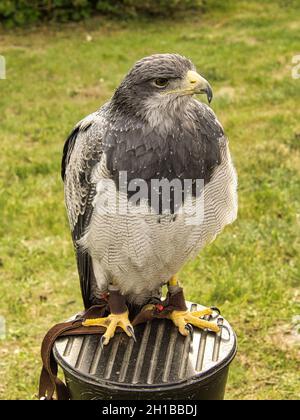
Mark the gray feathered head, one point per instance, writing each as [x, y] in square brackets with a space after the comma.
[157, 82]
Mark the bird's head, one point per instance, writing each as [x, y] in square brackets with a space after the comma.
[160, 82]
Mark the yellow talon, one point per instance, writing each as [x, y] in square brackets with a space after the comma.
[182, 318]
[173, 281]
[111, 323]
[206, 311]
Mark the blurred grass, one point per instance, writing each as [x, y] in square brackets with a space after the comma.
[55, 77]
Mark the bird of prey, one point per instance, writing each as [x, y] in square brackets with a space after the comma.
[152, 130]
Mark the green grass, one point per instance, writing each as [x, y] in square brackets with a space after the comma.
[55, 77]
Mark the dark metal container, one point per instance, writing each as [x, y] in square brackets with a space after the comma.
[161, 365]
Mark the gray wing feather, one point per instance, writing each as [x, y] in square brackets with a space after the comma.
[82, 151]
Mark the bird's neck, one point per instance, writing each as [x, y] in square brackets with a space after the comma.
[164, 116]
[160, 116]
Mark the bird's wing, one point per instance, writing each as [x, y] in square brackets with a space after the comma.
[220, 197]
[210, 133]
[82, 151]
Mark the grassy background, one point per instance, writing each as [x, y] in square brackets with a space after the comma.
[57, 76]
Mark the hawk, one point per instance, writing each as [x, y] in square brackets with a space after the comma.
[131, 234]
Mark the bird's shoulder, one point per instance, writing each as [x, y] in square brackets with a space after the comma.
[82, 151]
[85, 143]
[206, 121]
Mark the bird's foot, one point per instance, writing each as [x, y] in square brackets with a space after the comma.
[184, 320]
[111, 323]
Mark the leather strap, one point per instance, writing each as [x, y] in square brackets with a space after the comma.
[50, 384]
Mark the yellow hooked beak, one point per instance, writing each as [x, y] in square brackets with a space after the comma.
[197, 84]
[193, 84]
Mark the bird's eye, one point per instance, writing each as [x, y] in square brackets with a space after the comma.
[161, 82]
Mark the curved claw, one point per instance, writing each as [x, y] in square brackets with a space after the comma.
[216, 313]
[102, 342]
[131, 331]
[190, 329]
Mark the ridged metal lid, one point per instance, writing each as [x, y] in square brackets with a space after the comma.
[160, 357]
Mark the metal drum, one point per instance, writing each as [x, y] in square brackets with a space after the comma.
[161, 365]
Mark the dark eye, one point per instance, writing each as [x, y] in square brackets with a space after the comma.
[161, 82]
